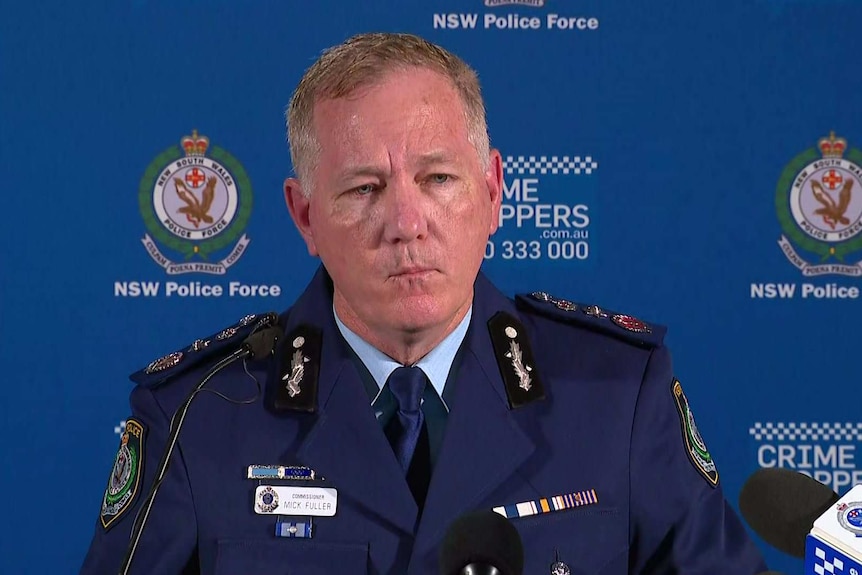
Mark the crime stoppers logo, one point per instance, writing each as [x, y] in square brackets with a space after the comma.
[545, 215]
[819, 205]
[825, 451]
[195, 201]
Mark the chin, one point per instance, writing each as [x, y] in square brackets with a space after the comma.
[418, 313]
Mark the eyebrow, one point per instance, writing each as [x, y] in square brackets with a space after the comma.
[437, 157]
[359, 170]
[425, 160]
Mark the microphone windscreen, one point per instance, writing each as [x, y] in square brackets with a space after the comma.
[262, 342]
[485, 538]
[781, 505]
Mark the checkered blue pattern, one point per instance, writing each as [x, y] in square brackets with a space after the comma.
[826, 562]
[793, 431]
[532, 165]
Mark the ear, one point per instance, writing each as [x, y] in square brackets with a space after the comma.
[299, 207]
[494, 185]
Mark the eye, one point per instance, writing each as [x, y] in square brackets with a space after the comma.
[439, 178]
[363, 190]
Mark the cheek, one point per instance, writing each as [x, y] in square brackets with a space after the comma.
[347, 240]
[466, 222]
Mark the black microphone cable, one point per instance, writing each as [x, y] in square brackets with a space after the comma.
[260, 343]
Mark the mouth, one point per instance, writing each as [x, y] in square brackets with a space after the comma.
[412, 273]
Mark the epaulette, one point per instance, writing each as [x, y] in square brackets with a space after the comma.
[622, 326]
[166, 367]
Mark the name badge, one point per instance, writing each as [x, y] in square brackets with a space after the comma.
[291, 500]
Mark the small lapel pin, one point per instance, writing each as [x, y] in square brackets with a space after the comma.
[558, 567]
[294, 528]
[289, 472]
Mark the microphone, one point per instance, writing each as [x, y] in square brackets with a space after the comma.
[258, 345]
[262, 343]
[805, 519]
[781, 505]
[481, 543]
[834, 544]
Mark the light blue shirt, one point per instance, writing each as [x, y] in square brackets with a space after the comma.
[436, 363]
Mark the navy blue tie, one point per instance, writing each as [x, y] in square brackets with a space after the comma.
[407, 384]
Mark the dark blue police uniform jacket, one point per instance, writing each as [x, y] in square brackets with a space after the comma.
[608, 422]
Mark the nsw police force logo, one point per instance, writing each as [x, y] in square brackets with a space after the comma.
[125, 476]
[533, 3]
[819, 204]
[850, 517]
[195, 201]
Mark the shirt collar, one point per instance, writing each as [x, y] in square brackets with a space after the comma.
[436, 363]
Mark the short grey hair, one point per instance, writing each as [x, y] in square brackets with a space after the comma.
[359, 62]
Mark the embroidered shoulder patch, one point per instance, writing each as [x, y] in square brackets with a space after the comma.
[698, 454]
[124, 482]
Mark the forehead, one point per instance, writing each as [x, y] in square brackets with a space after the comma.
[404, 108]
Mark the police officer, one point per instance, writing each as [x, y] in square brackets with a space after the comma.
[406, 390]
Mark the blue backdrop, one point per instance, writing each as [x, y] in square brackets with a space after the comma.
[662, 159]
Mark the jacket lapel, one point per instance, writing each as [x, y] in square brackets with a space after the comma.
[347, 446]
[483, 445]
[345, 443]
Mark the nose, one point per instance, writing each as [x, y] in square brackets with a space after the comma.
[405, 217]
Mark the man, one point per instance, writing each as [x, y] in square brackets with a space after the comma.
[407, 386]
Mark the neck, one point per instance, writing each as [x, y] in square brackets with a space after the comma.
[406, 346]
